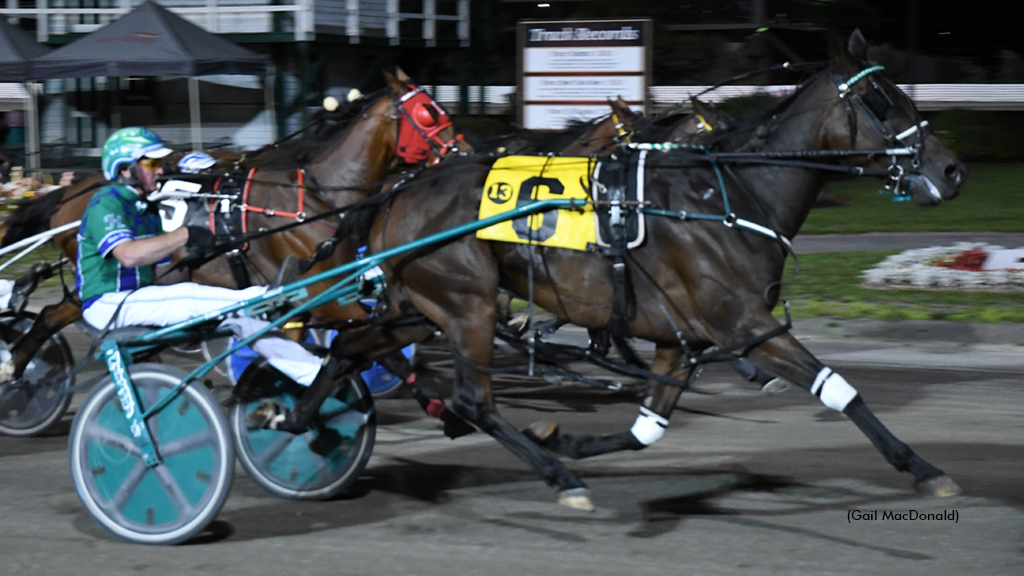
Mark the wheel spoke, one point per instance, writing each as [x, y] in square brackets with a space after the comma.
[346, 417]
[174, 492]
[96, 433]
[175, 447]
[276, 448]
[131, 482]
[346, 413]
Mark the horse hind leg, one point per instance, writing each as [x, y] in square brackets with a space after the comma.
[468, 318]
[648, 428]
[786, 357]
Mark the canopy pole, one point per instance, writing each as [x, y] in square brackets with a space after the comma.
[32, 160]
[268, 100]
[193, 105]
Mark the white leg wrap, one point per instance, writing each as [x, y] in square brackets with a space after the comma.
[833, 390]
[649, 427]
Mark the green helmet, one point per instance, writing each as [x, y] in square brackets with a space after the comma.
[128, 145]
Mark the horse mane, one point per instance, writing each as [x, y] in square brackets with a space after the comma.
[531, 141]
[738, 134]
[32, 216]
[323, 128]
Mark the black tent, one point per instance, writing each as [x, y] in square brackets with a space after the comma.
[148, 41]
[151, 41]
[17, 49]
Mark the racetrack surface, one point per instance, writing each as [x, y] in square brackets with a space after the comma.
[742, 483]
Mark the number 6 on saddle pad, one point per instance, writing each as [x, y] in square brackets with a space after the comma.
[615, 185]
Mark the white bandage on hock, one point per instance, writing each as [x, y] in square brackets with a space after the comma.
[649, 427]
[833, 390]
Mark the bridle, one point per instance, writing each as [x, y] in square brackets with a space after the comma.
[874, 105]
[421, 120]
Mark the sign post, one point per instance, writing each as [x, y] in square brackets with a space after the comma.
[568, 69]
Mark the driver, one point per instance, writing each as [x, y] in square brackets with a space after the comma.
[121, 249]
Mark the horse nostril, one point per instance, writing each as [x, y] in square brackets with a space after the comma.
[954, 173]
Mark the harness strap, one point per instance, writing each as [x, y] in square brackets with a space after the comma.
[618, 324]
[299, 215]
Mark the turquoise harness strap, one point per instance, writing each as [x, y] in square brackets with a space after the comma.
[844, 88]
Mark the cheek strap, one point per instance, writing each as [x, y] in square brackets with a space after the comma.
[833, 390]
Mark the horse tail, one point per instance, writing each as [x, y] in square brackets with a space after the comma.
[32, 216]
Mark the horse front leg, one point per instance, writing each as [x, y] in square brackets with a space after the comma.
[786, 357]
[650, 425]
[51, 319]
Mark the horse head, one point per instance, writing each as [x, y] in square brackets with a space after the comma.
[600, 135]
[425, 131]
[872, 113]
[704, 122]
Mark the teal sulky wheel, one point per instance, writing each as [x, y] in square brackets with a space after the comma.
[174, 500]
[38, 400]
[318, 464]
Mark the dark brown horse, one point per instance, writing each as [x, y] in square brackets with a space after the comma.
[699, 283]
[338, 164]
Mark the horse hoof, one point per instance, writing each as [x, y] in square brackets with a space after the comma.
[7, 371]
[939, 486]
[266, 416]
[774, 386]
[577, 498]
[542, 432]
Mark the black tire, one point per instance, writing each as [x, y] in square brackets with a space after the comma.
[180, 496]
[39, 400]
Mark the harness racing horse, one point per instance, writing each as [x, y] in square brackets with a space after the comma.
[700, 283]
[340, 164]
[596, 136]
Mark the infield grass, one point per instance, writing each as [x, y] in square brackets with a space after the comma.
[828, 285]
[992, 200]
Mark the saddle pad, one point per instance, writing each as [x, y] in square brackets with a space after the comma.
[620, 181]
[518, 180]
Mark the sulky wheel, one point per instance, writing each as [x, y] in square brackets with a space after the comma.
[174, 500]
[34, 403]
[318, 464]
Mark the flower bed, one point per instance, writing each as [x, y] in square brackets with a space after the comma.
[956, 267]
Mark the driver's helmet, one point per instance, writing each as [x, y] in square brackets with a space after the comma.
[127, 145]
[195, 162]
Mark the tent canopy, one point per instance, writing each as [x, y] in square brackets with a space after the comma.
[149, 41]
[17, 49]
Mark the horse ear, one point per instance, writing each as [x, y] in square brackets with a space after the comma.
[857, 45]
[620, 107]
[401, 75]
[700, 107]
[397, 86]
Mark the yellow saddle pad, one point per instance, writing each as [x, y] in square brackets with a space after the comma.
[517, 180]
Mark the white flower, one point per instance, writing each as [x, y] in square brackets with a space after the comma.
[917, 268]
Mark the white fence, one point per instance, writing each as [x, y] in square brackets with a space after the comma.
[928, 97]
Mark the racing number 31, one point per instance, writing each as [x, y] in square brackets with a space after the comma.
[549, 220]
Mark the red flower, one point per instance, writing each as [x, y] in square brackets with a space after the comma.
[970, 260]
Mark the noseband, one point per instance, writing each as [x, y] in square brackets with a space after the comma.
[421, 120]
